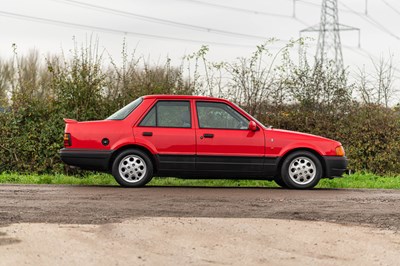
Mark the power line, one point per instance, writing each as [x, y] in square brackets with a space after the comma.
[243, 10]
[372, 21]
[362, 15]
[107, 30]
[319, 6]
[237, 9]
[364, 53]
[391, 7]
[158, 20]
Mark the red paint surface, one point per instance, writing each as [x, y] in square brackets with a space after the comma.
[190, 141]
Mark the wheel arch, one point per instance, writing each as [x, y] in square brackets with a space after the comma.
[314, 152]
[152, 157]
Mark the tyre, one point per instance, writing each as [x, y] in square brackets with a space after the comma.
[132, 168]
[278, 180]
[301, 170]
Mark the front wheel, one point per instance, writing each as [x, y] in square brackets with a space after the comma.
[301, 170]
[132, 168]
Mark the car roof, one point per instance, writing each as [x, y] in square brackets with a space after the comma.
[168, 96]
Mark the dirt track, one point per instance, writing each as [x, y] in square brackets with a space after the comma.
[71, 225]
[99, 205]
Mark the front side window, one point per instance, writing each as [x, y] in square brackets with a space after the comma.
[220, 115]
[122, 113]
[168, 114]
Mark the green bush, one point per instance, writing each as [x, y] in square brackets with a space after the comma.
[369, 133]
[32, 126]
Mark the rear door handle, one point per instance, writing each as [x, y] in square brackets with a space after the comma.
[208, 135]
[149, 134]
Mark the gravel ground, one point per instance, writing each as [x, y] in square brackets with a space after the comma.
[198, 241]
[98, 205]
[70, 225]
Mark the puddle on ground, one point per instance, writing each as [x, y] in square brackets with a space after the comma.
[4, 240]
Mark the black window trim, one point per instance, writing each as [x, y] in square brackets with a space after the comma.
[216, 128]
[155, 106]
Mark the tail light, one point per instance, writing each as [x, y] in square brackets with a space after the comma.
[67, 140]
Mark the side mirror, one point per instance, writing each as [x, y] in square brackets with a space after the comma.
[252, 126]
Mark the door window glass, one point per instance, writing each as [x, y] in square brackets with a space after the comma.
[168, 114]
[219, 115]
[150, 119]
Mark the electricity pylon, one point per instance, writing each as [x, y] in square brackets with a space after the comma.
[329, 47]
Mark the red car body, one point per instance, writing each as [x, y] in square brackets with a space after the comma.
[193, 150]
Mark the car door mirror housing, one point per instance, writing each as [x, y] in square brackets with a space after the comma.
[252, 126]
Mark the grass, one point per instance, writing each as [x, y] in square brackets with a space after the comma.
[94, 179]
[359, 180]
[362, 180]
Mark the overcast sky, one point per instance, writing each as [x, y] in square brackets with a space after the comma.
[231, 28]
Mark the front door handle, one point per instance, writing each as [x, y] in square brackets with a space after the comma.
[149, 134]
[208, 135]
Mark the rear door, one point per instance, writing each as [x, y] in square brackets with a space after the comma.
[224, 142]
[167, 128]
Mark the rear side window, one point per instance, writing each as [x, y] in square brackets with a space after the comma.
[168, 114]
[122, 113]
[220, 115]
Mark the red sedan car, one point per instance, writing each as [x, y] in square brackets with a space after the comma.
[198, 137]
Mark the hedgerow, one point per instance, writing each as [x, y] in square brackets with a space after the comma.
[36, 94]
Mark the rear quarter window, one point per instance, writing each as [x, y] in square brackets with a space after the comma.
[122, 113]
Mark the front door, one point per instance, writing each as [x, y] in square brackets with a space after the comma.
[224, 142]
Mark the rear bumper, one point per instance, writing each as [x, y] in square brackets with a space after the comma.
[335, 166]
[87, 159]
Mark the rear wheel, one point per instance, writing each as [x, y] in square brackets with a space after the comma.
[278, 180]
[132, 168]
[301, 170]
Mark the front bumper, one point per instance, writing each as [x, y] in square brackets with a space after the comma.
[335, 166]
[98, 160]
